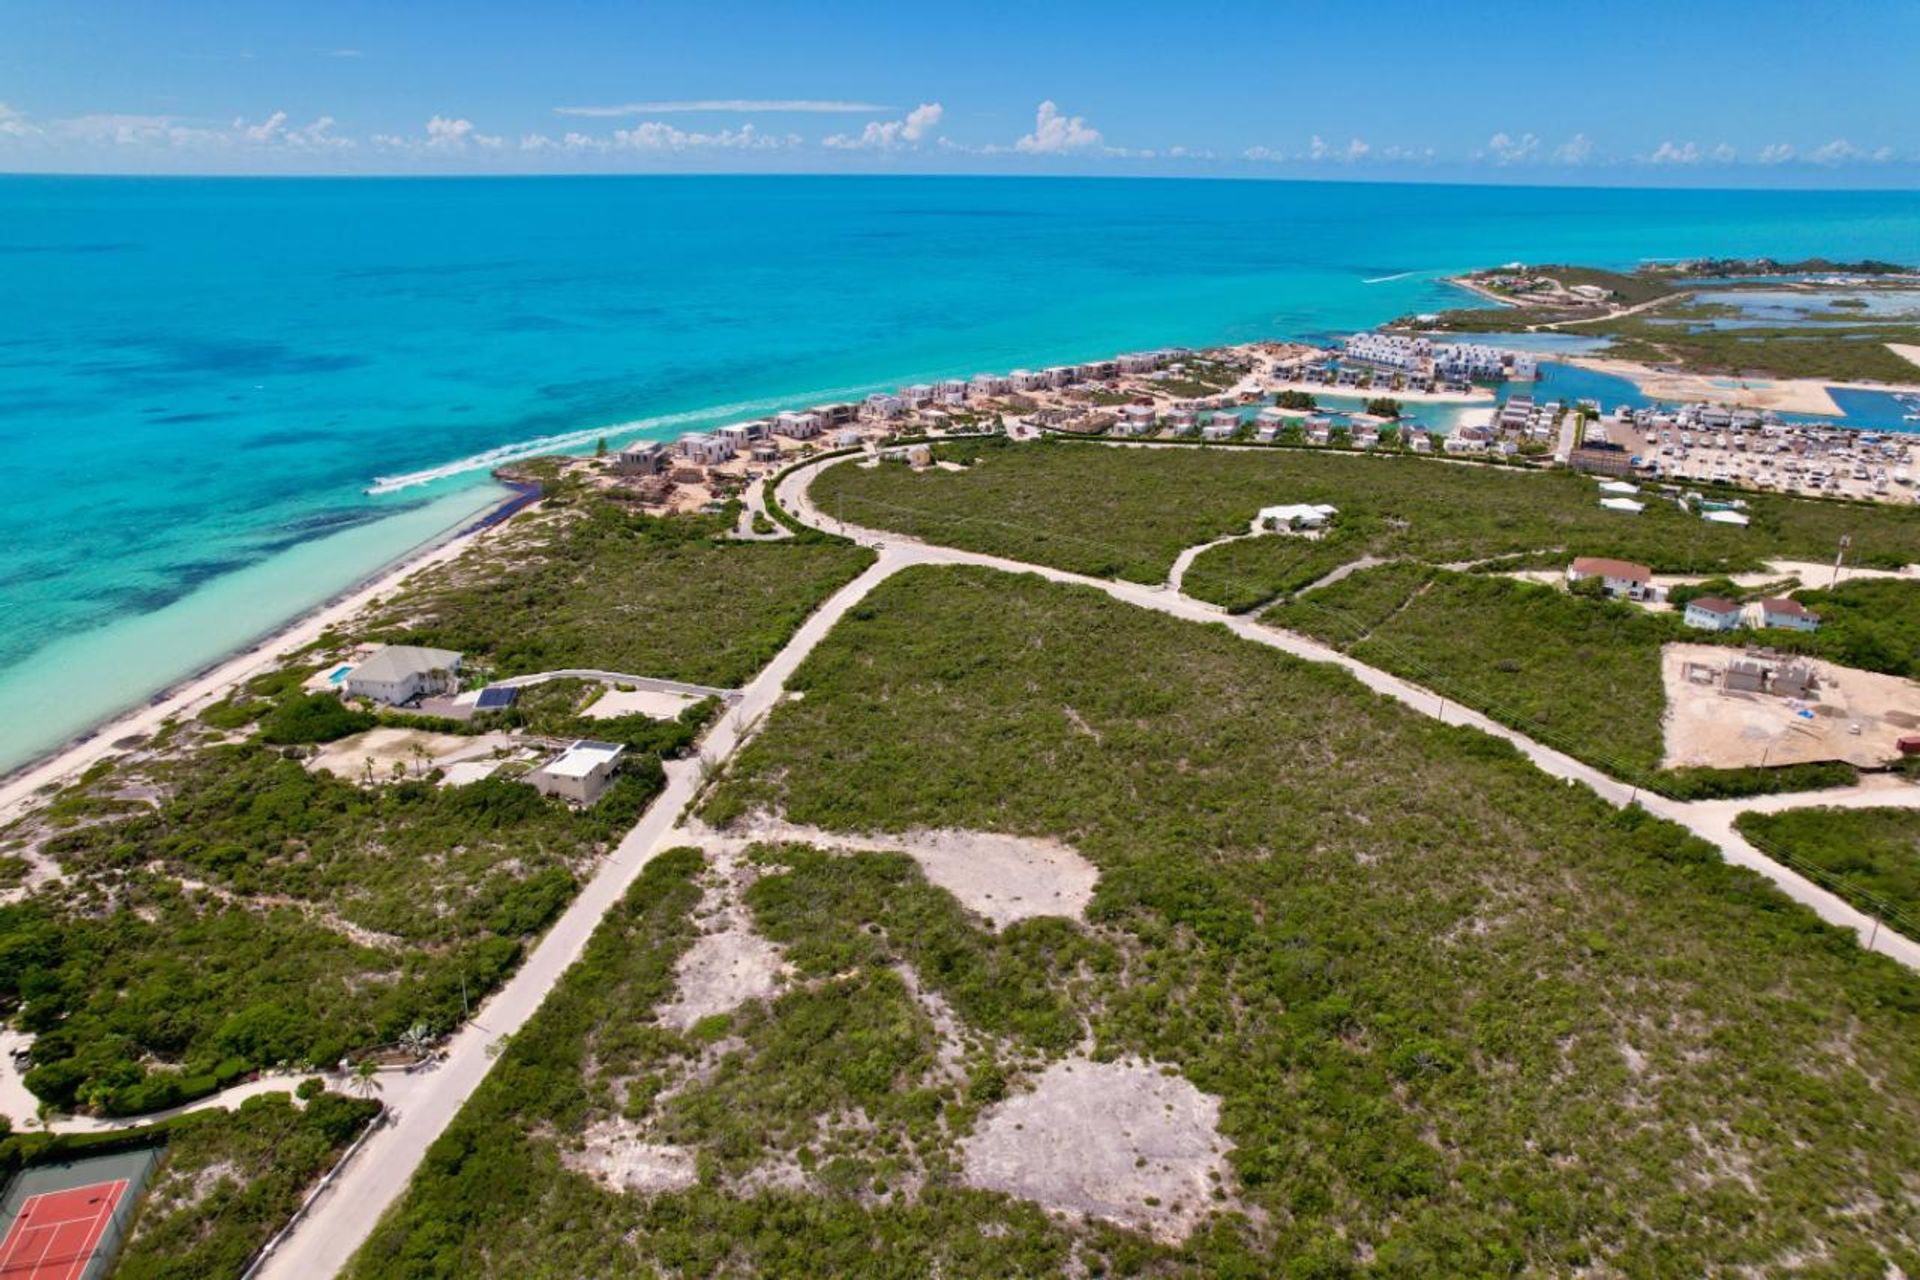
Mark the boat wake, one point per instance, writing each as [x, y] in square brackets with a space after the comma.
[1384, 279]
[563, 441]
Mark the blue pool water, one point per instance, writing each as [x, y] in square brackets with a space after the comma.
[338, 674]
[222, 401]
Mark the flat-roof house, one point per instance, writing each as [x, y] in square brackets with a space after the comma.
[703, 448]
[736, 434]
[1789, 615]
[1366, 435]
[988, 384]
[953, 387]
[1217, 430]
[643, 458]
[580, 773]
[1622, 579]
[1027, 380]
[880, 404]
[1712, 613]
[1417, 439]
[1298, 515]
[916, 395]
[401, 673]
[798, 426]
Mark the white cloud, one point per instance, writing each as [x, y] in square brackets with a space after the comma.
[1675, 153]
[1724, 154]
[1777, 153]
[891, 135]
[1506, 149]
[1320, 150]
[1575, 150]
[14, 124]
[825, 106]
[1840, 151]
[655, 135]
[1055, 134]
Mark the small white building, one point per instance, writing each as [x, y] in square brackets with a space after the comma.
[1299, 515]
[1627, 505]
[988, 384]
[1711, 613]
[1789, 615]
[581, 773]
[882, 405]
[1028, 380]
[1726, 517]
[703, 448]
[798, 426]
[400, 673]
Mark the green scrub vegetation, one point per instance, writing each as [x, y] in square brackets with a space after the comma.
[1462, 1018]
[587, 583]
[1870, 856]
[230, 1179]
[1126, 513]
[255, 913]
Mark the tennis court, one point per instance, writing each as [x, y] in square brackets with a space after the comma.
[65, 1221]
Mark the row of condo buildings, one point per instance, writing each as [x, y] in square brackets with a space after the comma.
[1423, 359]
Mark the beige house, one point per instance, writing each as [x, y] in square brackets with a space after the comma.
[581, 773]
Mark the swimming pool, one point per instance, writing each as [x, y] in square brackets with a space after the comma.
[338, 674]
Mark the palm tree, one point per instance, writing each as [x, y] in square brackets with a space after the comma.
[365, 1080]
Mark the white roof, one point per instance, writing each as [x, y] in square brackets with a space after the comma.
[398, 661]
[1623, 504]
[1725, 517]
[582, 758]
[1309, 511]
[1618, 486]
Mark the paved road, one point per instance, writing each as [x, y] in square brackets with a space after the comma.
[1712, 821]
[425, 1104]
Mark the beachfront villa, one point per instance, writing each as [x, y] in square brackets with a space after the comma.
[703, 448]
[643, 458]
[799, 426]
[402, 673]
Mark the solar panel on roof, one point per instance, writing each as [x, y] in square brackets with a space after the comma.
[494, 697]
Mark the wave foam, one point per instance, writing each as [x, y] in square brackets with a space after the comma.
[560, 442]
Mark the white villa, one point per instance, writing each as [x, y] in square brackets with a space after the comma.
[402, 673]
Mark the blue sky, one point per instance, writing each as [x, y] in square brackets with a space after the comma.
[1752, 94]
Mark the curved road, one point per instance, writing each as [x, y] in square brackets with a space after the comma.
[423, 1105]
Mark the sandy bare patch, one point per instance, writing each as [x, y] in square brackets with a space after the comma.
[614, 1153]
[415, 751]
[1004, 878]
[1709, 725]
[1787, 395]
[646, 702]
[730, 963]
[1906, 351]
[1119, 1141]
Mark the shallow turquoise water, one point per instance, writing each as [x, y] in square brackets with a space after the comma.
[201, 380]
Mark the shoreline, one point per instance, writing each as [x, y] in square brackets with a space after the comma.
[60, 764]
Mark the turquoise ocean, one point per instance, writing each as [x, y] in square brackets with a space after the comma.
[223, 401]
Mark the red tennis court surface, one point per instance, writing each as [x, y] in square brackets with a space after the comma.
[56, 1233]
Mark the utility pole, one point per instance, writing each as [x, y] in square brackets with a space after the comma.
[1846, 540]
